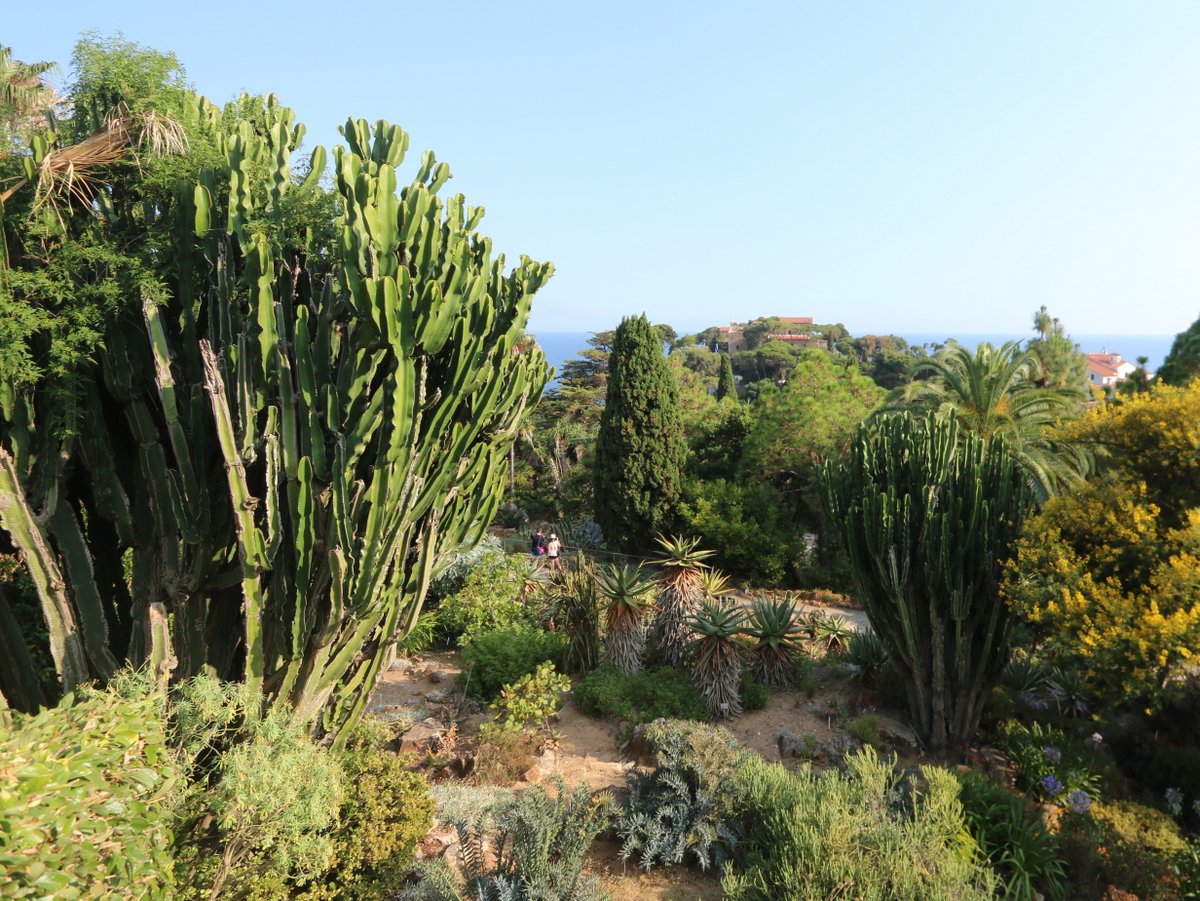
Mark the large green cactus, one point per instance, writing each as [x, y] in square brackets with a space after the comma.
[928, 519]
[287, 442]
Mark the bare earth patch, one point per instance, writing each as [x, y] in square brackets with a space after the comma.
[424, 689]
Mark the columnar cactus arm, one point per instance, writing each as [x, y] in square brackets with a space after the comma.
[18, 519]
[251, 547]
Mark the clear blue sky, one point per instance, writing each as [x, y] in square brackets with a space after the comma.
[899, 167]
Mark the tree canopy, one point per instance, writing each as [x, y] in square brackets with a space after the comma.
[640, 447]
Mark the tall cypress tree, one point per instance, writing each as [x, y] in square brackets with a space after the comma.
[726, 386]
[640, 447]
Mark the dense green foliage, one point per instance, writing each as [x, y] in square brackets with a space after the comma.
[494, 659]
[1013, 839]
[495, 594]
[243, 416]
[85, 791]
[639, 697]
[639, 446]
[867, 832]
[929, 515]
[1182, 363]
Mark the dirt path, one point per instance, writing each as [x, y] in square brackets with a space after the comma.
[424, 689]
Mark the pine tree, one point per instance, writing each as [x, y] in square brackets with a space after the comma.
[640, 447]
[1183, 362]
[726, 387]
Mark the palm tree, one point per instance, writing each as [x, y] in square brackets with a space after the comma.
[994, 395]
[680, 592]
[23, 91]
[629, 594]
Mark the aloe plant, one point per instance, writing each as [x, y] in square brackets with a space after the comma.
[681, 569]
[777, 633]
[629, 594]
[717, 670]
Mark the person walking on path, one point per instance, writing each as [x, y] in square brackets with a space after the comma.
[538, 544]
[552, 550]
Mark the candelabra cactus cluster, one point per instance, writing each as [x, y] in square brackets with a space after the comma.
[287, 442]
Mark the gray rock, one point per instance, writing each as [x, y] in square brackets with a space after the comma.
[435, 697]
[437, 676]
[424, 737]
[791, 744]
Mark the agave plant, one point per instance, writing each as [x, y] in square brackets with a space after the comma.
[831, 632]
[629, 594]
[680, 590]
[777, 633]
[718, 667]
[714, 585]
[866, 654]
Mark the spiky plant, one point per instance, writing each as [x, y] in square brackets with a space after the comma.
[679, 594]
[777, 633]
[832, 633]
[718, 668]
[714, 585]
[629, 593]
[573, 604]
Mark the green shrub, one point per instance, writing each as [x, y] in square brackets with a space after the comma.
[387, 810]
[641, 697]
[271, 811]
[755, 695]
[532, 698]
[1013, 838]
[85, 797]
[491, 660]
[493, 596]
[866, 832]
[423, 635]
[539, 846]
[865, 728]
[1134, 847]
[681, 809]
[1051, 764]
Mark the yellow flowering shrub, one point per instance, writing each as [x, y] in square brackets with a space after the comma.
[1110, 575]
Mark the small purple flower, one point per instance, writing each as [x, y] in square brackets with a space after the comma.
[1174, 798]
[1078, 801]
[1052, 755]
[1052, 786]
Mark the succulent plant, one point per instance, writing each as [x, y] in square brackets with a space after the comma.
[629, 594]
[717, 669]
[777, 633]
[680, 590]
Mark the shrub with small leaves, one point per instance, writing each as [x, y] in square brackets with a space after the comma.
[85, 793]
[639, 697]
[868, 831]
[534, 698]
[491, 660]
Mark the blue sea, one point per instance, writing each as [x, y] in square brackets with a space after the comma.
[560, 346]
